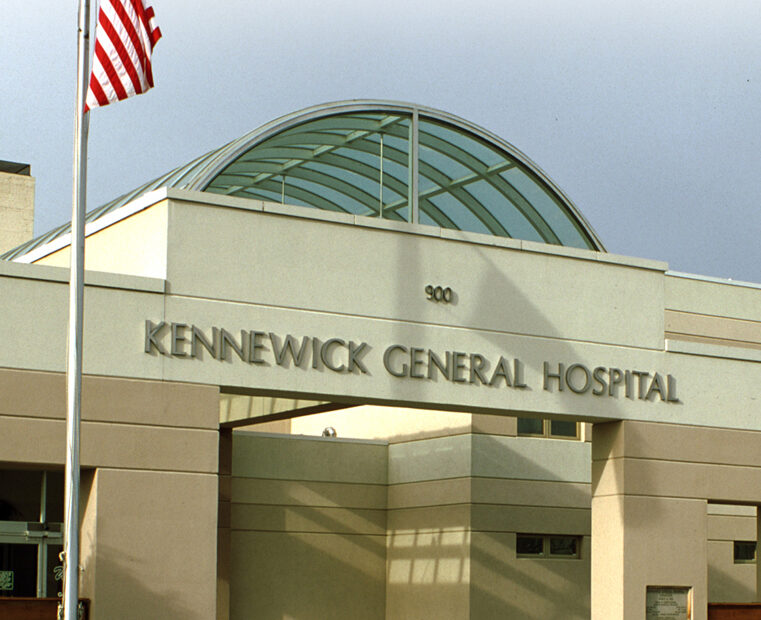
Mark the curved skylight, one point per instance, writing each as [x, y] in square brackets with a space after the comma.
[385, 160]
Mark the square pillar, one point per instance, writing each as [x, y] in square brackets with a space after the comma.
[640, 537]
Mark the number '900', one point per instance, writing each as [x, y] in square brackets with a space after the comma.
[438, 293]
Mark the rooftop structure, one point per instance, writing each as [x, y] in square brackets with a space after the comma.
[396, 161]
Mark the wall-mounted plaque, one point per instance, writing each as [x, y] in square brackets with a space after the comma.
[669, 603]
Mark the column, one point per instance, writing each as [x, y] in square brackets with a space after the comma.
[645, 534]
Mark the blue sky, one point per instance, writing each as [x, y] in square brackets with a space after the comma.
[647, 114]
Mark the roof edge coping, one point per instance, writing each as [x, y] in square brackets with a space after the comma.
[100, 279]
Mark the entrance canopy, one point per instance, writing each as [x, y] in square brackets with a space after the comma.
[393, 161]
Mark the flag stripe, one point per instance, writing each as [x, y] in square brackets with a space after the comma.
[110, 71]
[120, 58]
[129, 23]
[126, 33]
[97, 91]
[100, 76]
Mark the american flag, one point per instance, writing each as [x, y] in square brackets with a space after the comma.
[124, 38]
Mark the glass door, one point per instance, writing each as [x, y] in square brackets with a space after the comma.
[30, 533]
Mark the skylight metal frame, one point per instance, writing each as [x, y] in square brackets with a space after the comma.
[200, 173]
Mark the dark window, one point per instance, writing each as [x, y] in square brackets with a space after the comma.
[745, 551]
[566, 546]
[527, 544]
[547, 546]
[557, 429]
[31, 511]
[563, 428]
[530, 426]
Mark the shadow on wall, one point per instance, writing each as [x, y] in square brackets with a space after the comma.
[463, 553]
[307, 576]
[433, 554]
[726, 588]
[508, 587]
[122, 594]
[301, 550]
[564, 350]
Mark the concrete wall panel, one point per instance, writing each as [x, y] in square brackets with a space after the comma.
[531, 492]
[317, 519]
[136, 246]
[307, 576]
[210, 247]
[305, 492]
[314, 459]
[729, 582]
[710, 297]
[144, 565]
[430, 493]
[505, 586]
[308, 535]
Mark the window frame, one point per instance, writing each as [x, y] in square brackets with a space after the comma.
[546, 553]
[547, 430]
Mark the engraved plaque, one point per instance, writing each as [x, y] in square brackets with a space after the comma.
[668, 603]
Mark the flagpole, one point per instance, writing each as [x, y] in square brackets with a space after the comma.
[76, 304]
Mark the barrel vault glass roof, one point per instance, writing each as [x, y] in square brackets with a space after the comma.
[381, 159]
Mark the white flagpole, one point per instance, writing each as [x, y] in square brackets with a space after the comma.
[76, 303]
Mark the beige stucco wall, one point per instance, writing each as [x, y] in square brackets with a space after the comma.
[227, 265]
[456, 504]
[149, 456]
[16, 209]
[308, 528]
[419, 529]
[729, 582]
[650, 522]
[137, 246]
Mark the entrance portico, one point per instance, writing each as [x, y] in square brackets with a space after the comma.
[292, 310]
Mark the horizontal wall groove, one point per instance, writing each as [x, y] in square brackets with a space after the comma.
[490, 479]
[717, 340]
[193, 472]
[235, 476]
[488, 504]
[234, 502]
[629, 494]
[309, 532]
[205, 429]
[679, 462]
[721, 317]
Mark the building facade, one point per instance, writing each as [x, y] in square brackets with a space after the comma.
[368, 361]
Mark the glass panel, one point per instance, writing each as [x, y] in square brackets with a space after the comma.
[354, 163]
[526, 544]
[567, 546]
[447, 211]
[548, 207]
[18, 570]
[20, 495]
[745, 551]
[562, 428]
[472, 173]
[504, 210]
[54, 496]
[55, 571]
[530, 426]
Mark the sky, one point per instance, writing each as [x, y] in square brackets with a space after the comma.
[647, 114]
